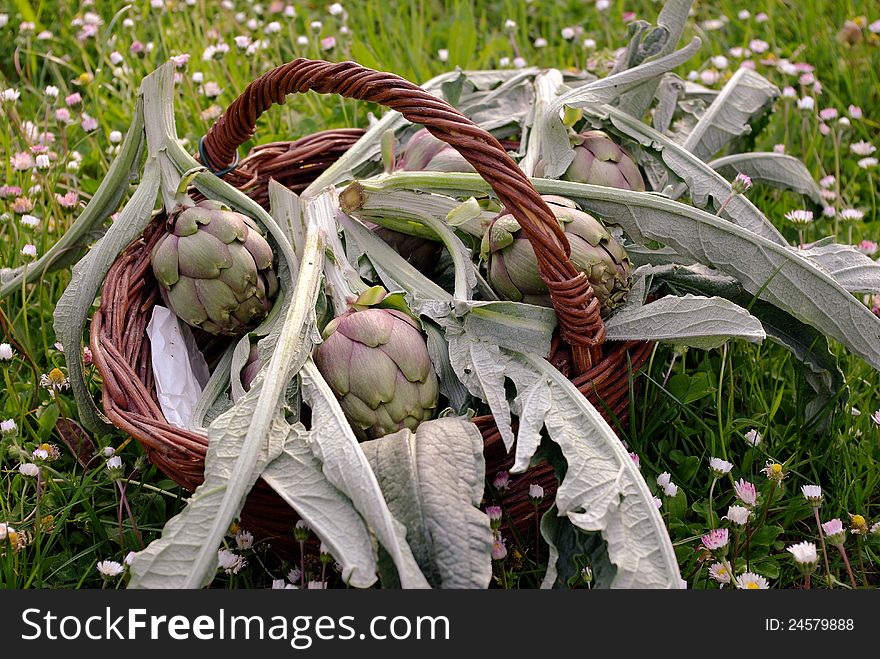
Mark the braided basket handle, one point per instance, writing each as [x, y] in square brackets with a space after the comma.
[576, 306]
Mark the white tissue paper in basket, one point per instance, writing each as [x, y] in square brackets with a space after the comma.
[179, 368]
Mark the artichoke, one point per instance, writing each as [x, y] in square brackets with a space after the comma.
[214, 269]
[598, 160]
[376, 362]
[424, 152]
[513, 267]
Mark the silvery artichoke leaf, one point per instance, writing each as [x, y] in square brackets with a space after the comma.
[548, 139]
[602, 489]
[852, 269]
[702, 181]
[671, 20]
[743, 98]
[186, 554]
[72, 310]
[555, 149]
[297, 476]
[669, 92]
[775, 273]
[433, 480]
[345, 467]
[695, 321]
[775, 169]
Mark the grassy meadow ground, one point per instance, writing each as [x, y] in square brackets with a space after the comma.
[68, 74]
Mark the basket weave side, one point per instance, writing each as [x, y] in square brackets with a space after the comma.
[292, 164]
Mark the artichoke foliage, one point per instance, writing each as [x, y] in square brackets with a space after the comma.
[513, 267]
[376, 362]
[215, 268]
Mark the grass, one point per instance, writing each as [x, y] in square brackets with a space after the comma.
[705, 406]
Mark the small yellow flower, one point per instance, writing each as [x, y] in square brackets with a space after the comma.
[774, 471]
[84, 78]
[858, 525]
[55, 380]
[47, 524]
[51, 450]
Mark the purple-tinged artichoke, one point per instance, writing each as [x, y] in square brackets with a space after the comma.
[214, 269]
[424, 152]
[513, 267]
[376, 362]
[598, 160]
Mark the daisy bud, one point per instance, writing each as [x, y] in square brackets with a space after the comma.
[834, 532]
[813, 494]
[301, 531]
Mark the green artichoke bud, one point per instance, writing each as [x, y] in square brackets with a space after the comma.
[376, 362]
[513, 267]
[214, 269]
[424, 152]
[598, 160]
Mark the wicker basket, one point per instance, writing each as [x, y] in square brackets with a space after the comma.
[601, 371]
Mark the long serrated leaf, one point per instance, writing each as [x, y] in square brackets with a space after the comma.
[673, 18]
[433, 481]
[852, 269]
[776, 273]
[345, 466]
[297, 477]
[602, 489]
[807, 344]
[779, 170]
[742, 99]
[186, 554]
[703, 183]
[450, 386]
[695, 321]
[479, 366]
